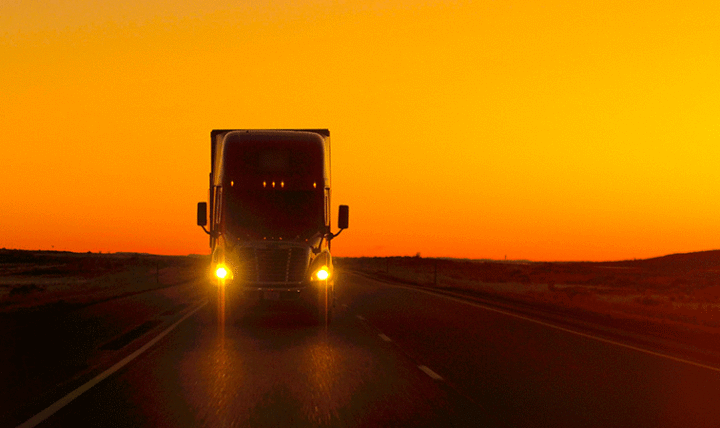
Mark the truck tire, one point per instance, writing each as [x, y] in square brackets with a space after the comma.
[212, 308]
[323, 307]
[323, 314]
[221, 311]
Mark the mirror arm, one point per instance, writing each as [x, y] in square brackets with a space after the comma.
[333, 235]
[214, 235]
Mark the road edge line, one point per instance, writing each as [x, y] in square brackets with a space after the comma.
[547, 324]
[53, 408]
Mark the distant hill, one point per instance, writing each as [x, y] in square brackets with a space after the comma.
[680, 261]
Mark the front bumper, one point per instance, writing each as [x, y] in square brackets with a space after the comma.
[311, 294]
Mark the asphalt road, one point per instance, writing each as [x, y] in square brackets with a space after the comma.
[393, 356]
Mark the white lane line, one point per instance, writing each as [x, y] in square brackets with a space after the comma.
[99, 378]
[546, 324]
[385, 338]
[430, 373]
[360, 317]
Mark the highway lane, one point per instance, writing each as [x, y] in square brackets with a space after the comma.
[395, 357]
[45, 353]
[530, 374]
[271, 370]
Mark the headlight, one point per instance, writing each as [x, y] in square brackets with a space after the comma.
[222, 272]
[322, 274]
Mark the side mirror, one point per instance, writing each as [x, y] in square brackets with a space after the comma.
[202, 214]
[343, 217]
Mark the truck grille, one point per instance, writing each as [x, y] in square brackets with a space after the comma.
[273, 266]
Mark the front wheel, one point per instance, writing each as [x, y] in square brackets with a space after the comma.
[323, 309]
[225, 306]
[323, 314]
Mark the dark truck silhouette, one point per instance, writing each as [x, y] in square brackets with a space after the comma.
[269, 221]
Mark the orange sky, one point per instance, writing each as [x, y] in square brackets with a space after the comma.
[532, 130]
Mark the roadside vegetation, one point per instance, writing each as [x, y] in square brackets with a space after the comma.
[33, 280]
[680, 289]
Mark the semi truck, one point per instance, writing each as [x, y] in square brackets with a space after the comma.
[269, 221]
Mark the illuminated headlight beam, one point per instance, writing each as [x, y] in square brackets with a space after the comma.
[322, 274]
[221, 272]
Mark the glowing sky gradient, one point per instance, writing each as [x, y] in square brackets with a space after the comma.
[532, 130]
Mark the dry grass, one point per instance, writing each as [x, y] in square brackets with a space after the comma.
[31, 279]
[680, 289]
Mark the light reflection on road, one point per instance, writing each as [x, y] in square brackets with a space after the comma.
[260, 368]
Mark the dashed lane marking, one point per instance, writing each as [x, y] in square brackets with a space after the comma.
[425, 369]
[557, 327]
[99, 378]
[430, 373]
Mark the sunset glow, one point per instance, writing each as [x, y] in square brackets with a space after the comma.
[528, 130]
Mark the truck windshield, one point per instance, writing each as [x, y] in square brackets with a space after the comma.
[287, 214]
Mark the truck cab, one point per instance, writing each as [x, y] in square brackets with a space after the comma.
[270, 220]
